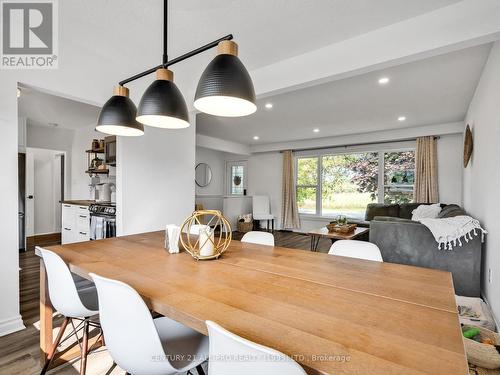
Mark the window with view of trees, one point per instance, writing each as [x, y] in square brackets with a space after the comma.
[307, 184]
[329, 185]
[399, 176]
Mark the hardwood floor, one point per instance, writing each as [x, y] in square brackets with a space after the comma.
[294, 240]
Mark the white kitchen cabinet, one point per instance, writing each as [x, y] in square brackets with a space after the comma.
[75, 223]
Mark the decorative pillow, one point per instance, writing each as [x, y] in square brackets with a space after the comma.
[426, 212]
[451, 210]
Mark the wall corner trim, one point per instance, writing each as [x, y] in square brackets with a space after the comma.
[11, 325]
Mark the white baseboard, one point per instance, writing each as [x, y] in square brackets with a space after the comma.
[11, 325]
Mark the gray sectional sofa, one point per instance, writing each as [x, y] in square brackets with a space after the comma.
[404, 241]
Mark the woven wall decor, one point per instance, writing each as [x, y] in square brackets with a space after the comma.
[468, 146]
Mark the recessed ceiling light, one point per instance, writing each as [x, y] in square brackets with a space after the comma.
[401, 118]
[256, 137]
[316, 130]
[269, 105]
[383, 80]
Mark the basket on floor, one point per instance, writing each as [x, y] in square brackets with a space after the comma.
[244, 227]
[483, 355]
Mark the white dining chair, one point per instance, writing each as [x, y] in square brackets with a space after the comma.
[261, 238]
[228, 352]
[261, 208]
[74, 303]
[356, 249]
[139, 344]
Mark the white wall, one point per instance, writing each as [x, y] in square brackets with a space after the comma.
[155, 179]
[481, 177]
[265, 173]
[47, 209]
[450, 167]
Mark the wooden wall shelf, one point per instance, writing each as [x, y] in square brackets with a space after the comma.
[96, 151]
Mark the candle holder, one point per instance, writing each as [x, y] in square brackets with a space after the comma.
[206, 234]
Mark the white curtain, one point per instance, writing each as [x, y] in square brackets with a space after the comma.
[289, 211]
[426, 172]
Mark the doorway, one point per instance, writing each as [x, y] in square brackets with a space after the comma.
[41, 190]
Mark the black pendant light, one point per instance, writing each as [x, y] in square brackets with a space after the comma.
[225, 87]
[117, 116]
[162, 104]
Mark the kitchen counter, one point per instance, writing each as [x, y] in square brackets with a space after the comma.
[82, 202]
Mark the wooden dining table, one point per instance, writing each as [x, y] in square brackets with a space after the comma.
[333, 315]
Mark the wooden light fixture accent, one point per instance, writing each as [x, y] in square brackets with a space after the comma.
[121, 91]
[227, 47]
[165, 74]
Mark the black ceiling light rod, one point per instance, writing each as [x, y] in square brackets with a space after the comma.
[167, 63]
[177, 59]
[165, 32]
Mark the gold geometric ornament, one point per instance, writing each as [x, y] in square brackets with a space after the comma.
[206, 234]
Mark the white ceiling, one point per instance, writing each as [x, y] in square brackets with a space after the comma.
[431, 91]
[273, 30]
[46, 110]
[266, 31]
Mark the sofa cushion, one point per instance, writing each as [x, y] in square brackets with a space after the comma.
[394, 219]
[451, 210]
[405, 209]
[380, 209]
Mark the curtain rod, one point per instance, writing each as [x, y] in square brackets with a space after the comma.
[354, 144]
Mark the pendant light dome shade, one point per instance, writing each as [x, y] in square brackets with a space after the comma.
[225, 87]
[162, 104]
[117, 116]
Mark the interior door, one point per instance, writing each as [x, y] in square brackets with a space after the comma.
[30, 194]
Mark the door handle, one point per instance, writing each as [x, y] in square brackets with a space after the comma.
[30, 197]
[67, 229]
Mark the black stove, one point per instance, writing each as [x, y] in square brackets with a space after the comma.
[103, 208]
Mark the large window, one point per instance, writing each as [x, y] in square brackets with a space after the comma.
[333, 184]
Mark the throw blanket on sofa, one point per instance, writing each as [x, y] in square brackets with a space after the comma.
[450, 231]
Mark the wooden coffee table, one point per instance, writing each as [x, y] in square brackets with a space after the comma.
[316, 234]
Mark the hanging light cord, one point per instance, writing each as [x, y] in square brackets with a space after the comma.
[165, 32]
[166, 63]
